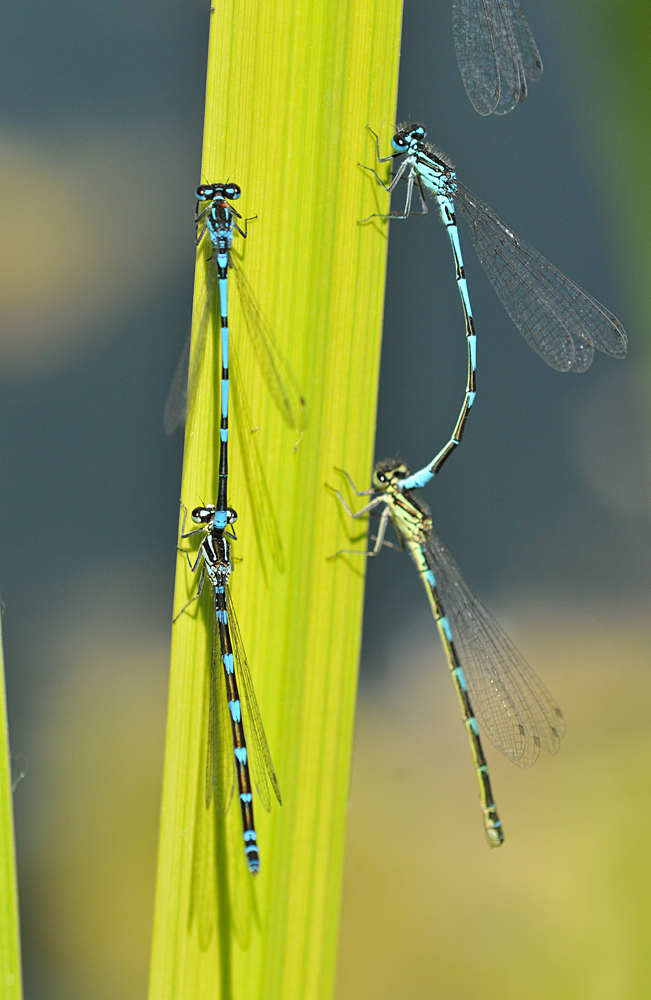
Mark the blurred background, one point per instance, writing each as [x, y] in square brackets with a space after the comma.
[545, 506]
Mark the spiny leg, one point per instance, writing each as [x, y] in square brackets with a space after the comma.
[384, 518]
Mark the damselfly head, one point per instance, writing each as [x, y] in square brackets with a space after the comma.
[202, 515]
[208, 192]
[206, 514]
[408, 137]
[387, 472]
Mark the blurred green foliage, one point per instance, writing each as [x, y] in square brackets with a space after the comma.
[612, 42]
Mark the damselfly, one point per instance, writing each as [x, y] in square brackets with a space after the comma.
[233, 705]
[560, 321]
[219, 220]
[496, 53]
[496, 687]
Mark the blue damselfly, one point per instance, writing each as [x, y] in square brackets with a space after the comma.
[560, 321]
[233, 704]
[219, 221]
[496, 53]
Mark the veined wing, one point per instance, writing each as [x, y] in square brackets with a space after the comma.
[512, 705]
[176, 404]
[259, 757]
[265, 525]
[513, 83]
[186, 377]
[560, 321]
[476, 56]
[276, 373]
[529, 54]
[274, 368]
[496, 53]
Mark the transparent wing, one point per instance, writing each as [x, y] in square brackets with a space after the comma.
[260, 762]
[279, 378]
[476, 56]
[513, 84]
[275, 370]
[186, 376]
[220, 760]
[529, 54]
[265, 525]
[496, 53]
[176, 404]
[512, 705]
[560, 321]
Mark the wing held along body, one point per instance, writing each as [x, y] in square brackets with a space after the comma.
[260, 762]
[557, 318]
[511, 704]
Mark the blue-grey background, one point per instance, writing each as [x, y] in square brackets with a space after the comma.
[549, 492]
[547, 499]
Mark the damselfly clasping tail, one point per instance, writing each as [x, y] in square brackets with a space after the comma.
[560, 321]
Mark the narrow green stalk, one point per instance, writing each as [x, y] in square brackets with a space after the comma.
[291, 88]
[10, 975]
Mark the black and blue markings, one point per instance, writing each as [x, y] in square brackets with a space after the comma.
[232, 698]
[560, 321]
[233, 703]
[219, 220]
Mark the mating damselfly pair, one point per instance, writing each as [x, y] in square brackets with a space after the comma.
[496, 688]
